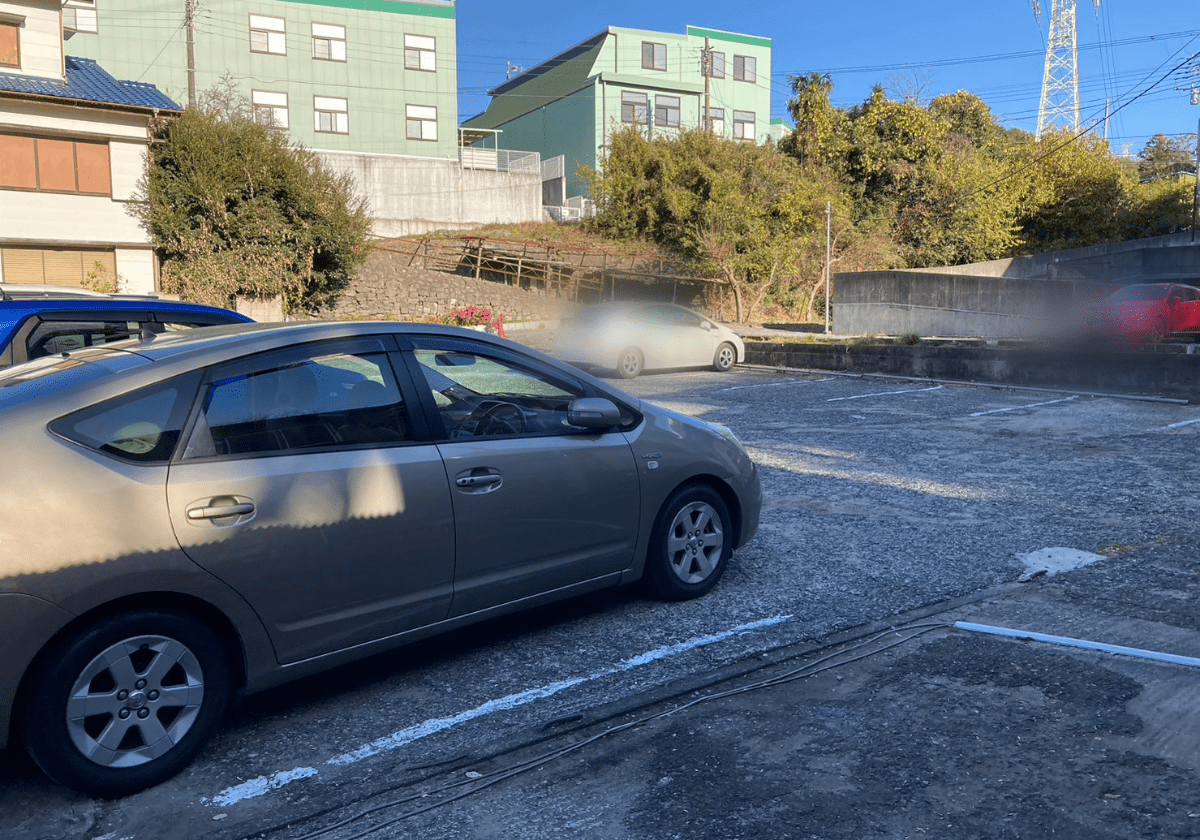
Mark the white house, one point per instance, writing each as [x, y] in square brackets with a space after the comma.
[73, 145]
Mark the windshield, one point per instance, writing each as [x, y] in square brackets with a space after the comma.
[1141, 293]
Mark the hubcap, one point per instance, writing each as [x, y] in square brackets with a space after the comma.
[695, 542]
[726, 357]
[135, 701]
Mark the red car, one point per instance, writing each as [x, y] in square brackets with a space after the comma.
[1152, 311]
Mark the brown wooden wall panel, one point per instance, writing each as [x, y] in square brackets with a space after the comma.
[95, 174]
[18, 162]
[10, 45]
[56, 165]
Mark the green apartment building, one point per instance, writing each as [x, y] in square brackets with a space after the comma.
[377, 76]
[662, 82]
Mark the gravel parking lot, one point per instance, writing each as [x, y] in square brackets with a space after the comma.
[881, 497]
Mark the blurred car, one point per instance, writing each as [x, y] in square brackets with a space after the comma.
[195, 514]
[632, 337]
[1150, 311]
[38, 321]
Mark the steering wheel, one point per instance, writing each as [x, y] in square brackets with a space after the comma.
[496, 418]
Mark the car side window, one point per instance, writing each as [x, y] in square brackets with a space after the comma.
[483, 395]
[49, 338]
[334, 400]
[142, 427]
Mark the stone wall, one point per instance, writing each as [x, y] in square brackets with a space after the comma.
[387, 288]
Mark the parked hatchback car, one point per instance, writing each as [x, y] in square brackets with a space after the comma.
[632, 337]
[194, 514]
[1151, 311]
[38, 321]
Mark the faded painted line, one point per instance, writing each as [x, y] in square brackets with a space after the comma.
[1023, 407]
[266, 784]
[1182, 424]
[887, 393]
[777, 384]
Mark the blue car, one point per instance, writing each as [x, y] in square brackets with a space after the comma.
[37, 321]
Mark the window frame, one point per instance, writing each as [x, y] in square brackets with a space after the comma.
[268, 31]
[713, 120]
[339, 126]
[741, 121]
[330, 38]
[711, 66]
[420, 53]
[741, 75]
[663, 111]
[423, 121]
[653, 63]
[285, 108]
[643, 102]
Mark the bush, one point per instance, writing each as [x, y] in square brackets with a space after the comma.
[471, 316]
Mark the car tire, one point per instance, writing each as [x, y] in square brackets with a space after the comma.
[725, 358]
[690, 545]
[155, 684]
[630, 362]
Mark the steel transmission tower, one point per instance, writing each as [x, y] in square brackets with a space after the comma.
[1060, 79]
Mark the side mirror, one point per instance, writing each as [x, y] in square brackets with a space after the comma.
[593, 413]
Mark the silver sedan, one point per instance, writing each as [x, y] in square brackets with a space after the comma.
[192, 515]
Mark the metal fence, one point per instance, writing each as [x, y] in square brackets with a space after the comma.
[500, 160]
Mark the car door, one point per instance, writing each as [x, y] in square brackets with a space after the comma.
[1186, 313]
[538, 504]
[309, 486]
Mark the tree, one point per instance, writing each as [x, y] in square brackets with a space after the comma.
[234, 210]
[1166, 157]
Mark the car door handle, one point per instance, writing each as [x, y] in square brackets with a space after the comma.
[480, 481]
[219, 511]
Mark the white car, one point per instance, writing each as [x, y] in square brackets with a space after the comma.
[632, 337]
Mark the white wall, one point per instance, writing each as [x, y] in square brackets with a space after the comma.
[40, 37]
[409, 195]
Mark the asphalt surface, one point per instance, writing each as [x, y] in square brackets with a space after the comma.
[889, 505]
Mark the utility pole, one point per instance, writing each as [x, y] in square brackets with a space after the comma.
[1196, 194]
[706, 68]
[828, 254]
[189, 19]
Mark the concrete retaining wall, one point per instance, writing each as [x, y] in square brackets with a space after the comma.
[1164, 374]
[409, 195]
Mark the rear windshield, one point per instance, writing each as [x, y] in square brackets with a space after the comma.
[52, 374]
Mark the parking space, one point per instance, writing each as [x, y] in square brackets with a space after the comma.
[881, 496]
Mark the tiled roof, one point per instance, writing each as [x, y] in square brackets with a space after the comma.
[87, 82]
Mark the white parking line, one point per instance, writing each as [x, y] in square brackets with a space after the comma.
[776, 384]
[265, 784]
[1021, 407]
[1180, 425]
[886, 393]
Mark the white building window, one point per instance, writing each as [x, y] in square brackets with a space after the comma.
[714, 65]
[80, 16]
[745, 68]
[330, 115]
[420, 53]
[666, 111]
[654, 56]
[329, 42]
[421, 121]
[267, 35]
[635, 108]
[743, 125]
[716, 117]
[270, 108]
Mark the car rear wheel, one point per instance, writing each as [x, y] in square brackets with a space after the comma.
[725, 358]
[127, 703]
[690, 545]
[629, 363]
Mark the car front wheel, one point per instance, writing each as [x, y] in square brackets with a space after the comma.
[126, 703]
[691, 544]
[629, 363]
[724, 358]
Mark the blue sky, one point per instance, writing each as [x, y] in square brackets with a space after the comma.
[993, 48]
